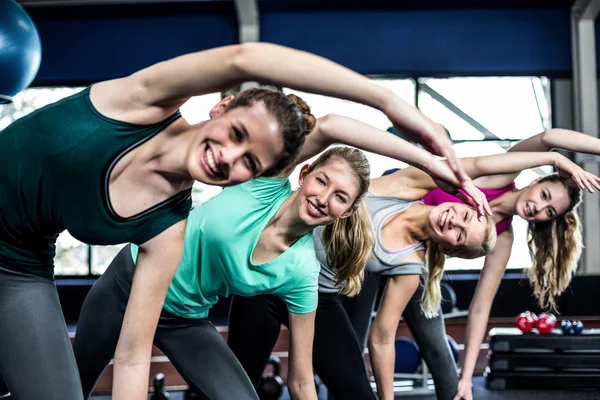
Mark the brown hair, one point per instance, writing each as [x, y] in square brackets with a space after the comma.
[555, 247]
[432, 295]
[349, 241]
[293, 116]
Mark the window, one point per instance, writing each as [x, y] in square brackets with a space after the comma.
[323, 105]
[488, 116]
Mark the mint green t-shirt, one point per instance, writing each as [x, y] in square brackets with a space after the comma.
[219, 240]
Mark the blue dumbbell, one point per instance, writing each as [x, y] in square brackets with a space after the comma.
[567, 327]
[577, 326]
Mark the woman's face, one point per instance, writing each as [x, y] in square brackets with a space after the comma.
[456, 225]
[235, 145]
[326, 193]
[542, 201]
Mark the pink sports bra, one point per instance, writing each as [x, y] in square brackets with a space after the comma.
[438, 196]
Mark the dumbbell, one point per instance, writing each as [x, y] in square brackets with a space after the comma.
[526, 321]
[571, 327]
[546, 322]
[270, 386]
[159, 388]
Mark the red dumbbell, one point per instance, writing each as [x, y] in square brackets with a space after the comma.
[545, 323]
[524, 322]
[535, 317]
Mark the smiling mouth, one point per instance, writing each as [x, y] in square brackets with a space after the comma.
[314, 210]
[209, 159]
[442, 219]
[528, 212]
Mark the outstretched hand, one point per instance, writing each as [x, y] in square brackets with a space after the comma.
[577, 176]
[451, 177]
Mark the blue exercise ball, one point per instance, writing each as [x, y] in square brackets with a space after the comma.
[20, 50]
[408, 357]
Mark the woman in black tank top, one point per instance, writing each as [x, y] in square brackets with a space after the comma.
[257, 133]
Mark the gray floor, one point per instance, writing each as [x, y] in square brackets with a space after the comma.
[479, 393]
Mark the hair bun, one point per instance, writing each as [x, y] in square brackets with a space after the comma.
[310, 119]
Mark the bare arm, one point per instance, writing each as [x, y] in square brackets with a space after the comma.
[162, 88]
[155, 266]
[333, 129]
[382, 336]
[499, 170]
[564, 139]
[479, 310]
[336, 129]
[152, 94]
[301, 383]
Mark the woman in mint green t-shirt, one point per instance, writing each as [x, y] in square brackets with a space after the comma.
[248, 240]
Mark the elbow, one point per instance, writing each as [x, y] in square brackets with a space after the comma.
[130, 354]
[546, 138]
[380, 338]
[297, 386]
[240, 57]
[325, 123]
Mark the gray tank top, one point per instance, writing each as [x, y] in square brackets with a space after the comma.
[383, 261]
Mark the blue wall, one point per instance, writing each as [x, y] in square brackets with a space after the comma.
[93, 46]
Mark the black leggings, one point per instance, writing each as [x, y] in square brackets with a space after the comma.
[36, 357]
[429, 334]
[194, 346]
[254, 325]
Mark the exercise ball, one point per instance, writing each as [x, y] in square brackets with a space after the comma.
[20, 50]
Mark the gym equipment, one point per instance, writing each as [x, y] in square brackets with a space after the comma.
[20, 50]
[408, 357]
[545, 323]
[270, 387]
[159, 388]
[524, 322]
[566, 326]
[535, 317]
[453, 348]
[541, 380]
[540, 361]
[577, 326]
[448, 298]
[191, 394]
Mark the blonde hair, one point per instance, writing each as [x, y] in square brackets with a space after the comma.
[555, 247]
[349, 241]
[432, 295]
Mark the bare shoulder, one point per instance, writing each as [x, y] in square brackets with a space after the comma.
[123, 100]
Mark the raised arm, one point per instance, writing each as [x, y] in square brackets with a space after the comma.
[382, 336]
[301, 383]
[563, 139]
[155, 266]
[493, 171]
[479, 310]
[157, 91]
[333, 129]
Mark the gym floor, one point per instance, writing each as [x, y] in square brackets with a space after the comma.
[479, 393]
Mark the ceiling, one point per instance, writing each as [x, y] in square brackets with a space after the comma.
[305, 5]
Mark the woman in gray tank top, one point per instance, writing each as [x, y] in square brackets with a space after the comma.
[402, 224]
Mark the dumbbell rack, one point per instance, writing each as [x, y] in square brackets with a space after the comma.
[534, 361]
[419, 383]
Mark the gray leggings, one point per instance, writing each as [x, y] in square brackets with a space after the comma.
[194, 346]
[429, 334]
[36, 357]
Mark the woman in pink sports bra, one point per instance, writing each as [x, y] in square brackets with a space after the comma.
[548, 204]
